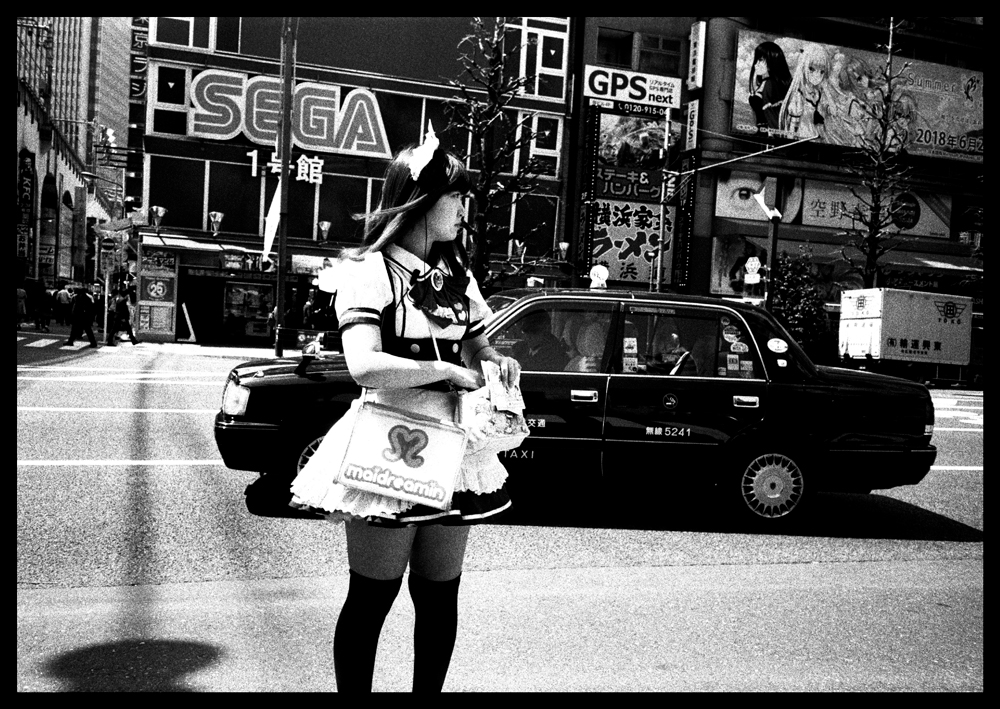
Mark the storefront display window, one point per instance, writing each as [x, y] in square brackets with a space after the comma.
[246, 308]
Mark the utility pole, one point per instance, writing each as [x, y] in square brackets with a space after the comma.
[287, 70]
[774, 217]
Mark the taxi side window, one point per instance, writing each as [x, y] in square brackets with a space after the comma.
[556, 337]
[686, 342]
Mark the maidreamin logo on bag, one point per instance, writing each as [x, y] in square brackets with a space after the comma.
[388, 480]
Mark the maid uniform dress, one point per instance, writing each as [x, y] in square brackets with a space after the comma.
[406, 298]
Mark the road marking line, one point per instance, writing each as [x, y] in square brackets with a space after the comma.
[126, 370]
[117, 410]
[956, 467]
[99, 380]
[88, 463]
[41, 343]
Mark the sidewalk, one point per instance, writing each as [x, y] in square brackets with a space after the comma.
[61, 332]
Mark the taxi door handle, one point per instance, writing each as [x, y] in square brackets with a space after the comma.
[587, 396]
[746, 402]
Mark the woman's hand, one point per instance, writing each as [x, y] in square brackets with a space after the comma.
[510, 371]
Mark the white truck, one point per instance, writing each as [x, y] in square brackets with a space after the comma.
[905, 326]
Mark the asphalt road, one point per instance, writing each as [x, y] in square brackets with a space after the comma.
[139, 567]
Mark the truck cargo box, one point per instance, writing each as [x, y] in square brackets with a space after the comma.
[905, 326]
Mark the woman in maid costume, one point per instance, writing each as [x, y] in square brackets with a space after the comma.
[407, 280]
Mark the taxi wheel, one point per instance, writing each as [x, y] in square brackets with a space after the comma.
[306, 451]
[771, 486]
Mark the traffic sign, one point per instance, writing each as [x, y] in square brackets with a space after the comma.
[108, 244]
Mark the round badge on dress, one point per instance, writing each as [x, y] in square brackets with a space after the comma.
[415, 348]
[454, 347]
[437, 280]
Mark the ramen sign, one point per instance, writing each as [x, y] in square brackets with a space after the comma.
[226, 103]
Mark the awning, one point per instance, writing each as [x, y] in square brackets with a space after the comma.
[895, 260]
[182, 241]
[912, 261]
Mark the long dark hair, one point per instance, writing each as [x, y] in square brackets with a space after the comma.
[405, 200]
[777, 66]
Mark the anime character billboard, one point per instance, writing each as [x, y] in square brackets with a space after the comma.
[793, 89]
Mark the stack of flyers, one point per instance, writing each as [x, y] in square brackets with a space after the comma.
[502, 397]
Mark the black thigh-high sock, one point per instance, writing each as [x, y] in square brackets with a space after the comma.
[435, 604]
[358, 627]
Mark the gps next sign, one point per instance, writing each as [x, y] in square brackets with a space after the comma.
[631, 87]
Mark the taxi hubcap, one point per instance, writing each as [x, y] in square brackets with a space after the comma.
[307, 453]
[772, 485]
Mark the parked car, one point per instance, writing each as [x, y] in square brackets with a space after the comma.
[638, 394]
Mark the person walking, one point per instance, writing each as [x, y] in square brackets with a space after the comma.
[82, 317]
[408, 281]
[63, 303]
[22, 305]
[122, 320]
[43, 307]
[308, 312]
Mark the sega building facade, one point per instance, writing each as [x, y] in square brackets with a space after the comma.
[212, 110]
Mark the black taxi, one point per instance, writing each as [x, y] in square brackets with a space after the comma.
[634, 394]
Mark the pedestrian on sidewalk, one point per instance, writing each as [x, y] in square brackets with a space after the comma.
[43, 307]
[413, 232]
[82, 317]
[307, 313]
[122, 321]
[22, 305]
[63, 302]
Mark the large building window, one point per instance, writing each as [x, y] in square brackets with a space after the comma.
[647, 53]
[660, 55]
[185, 31]
[614, 47]
[543, 54]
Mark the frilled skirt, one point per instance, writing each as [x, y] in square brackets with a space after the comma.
[479, 490]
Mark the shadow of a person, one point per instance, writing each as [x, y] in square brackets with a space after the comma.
[133, 665]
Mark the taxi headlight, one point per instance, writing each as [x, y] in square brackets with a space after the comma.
[234, 399]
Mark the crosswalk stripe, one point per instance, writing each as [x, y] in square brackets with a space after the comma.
[41, 343]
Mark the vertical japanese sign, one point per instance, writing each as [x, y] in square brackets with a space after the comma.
[631, 142]
[684, 230]
[696, 63]
[138, 60]
[138, 82]
[25, 225]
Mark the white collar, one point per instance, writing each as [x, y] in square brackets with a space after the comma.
[410, 261]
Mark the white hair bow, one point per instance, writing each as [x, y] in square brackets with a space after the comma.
[423, 154]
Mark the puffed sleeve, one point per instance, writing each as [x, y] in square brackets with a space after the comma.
[478, 309]
[363, 290]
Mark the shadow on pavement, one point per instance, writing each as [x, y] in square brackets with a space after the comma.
[131, 666]
[849, 516]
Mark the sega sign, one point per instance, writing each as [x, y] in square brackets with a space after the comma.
[225, 104]
[631, 87]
